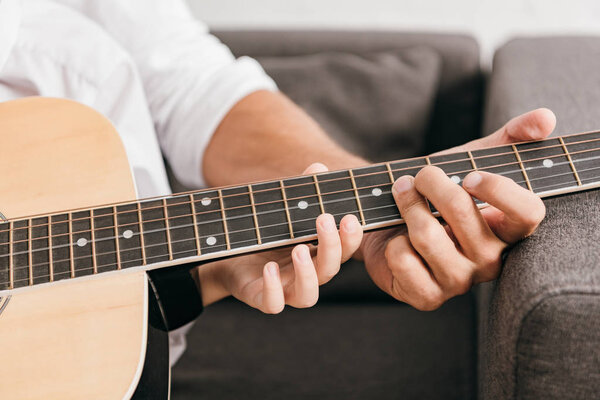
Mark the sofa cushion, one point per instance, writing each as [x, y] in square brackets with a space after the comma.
[542, 336]
[329, 352]
[377, 105]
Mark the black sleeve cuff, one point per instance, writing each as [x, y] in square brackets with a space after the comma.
[178, 294]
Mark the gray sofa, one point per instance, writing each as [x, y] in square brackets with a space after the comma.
[533, 334]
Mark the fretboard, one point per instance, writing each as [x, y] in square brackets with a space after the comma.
[216, 223]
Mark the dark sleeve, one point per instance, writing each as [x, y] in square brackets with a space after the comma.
[179, 296]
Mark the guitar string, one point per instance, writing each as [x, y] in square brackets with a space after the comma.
[170, 218]
[390, 218]
[278, 189]
[206, 236]
[186, 203]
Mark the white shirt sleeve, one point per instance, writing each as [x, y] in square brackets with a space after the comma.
[190, 78]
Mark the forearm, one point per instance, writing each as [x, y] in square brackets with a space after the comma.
[266, 136]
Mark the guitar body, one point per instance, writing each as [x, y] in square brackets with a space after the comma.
[85, 338]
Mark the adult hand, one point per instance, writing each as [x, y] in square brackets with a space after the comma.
[270, 280]
[427, 262]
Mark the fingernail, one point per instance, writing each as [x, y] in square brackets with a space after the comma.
[328, 224]
[472, 180]
[349, 225]
[272, 269]
[303, 254]
[402, 184]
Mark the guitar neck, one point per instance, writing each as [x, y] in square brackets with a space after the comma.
[221, 222]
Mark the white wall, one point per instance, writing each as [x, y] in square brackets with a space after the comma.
[491, 22]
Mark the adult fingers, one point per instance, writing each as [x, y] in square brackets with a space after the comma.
[351, 235]
[533, 125]
[412, 281]
[455, 205]
[429, 238]
[305, 291]
[271, 299]
[522, 210]
[329, 249]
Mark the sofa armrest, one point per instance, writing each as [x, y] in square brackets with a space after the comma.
[540, 324]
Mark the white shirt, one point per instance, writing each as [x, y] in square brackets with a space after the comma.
[147, 65]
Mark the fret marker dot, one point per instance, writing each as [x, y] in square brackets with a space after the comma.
[81, 242]
[376, 192]
[205, 201]
[302, 205]
[128, 234]
[455, 179]
[548, 163]
[211, 241]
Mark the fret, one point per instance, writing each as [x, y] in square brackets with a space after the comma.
[211, 226]
[547, 165]
[84, 260]
[254, 214]
[408, 167]
[517, 155]
[238, 214]
[60, 257]
[316, 183]
[455, 165]
[40, 250]
[195, 222]
[116, 230]
[473, 164]
[167, 229]
[390, 173]
[141, 230]
[224, 219]
[71, 256]
[360, 210]
[585, 155]
[502, 161]
[287, 210]
[106, 242]
[6, 279]
[562, 143]
[337, 193]
[375, 192]
[181, 227]
[93, 243]
[302, 203]
[271, 212]
[30, 252]
[154, 231]
[129, 243]
[50, 261]
[20, 254]
[427, 160]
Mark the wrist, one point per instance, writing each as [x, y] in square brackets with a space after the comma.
[210, 284]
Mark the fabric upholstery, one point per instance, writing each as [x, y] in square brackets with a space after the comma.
[541, 338]
[376, 105]
[330, 352]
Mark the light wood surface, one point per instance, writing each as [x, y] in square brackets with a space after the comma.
[82, 339]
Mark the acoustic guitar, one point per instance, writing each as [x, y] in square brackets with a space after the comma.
[79, 314]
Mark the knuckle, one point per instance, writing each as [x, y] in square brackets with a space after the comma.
[425, 237]
[428, 301]
[460, 205]
[458, 282]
